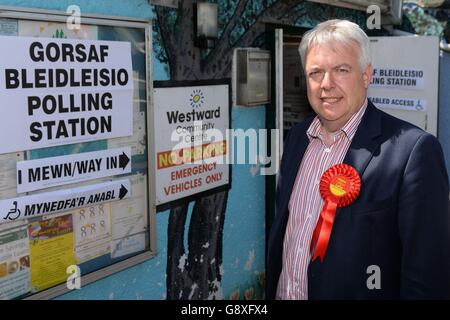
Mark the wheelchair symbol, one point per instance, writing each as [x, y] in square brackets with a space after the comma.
[13, 211]
[419, 107]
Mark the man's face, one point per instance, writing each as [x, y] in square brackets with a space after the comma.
[336, 84]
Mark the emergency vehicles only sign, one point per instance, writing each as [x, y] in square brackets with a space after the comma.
[62, 91]
[192, 157]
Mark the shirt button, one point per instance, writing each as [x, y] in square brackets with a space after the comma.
[327, 150]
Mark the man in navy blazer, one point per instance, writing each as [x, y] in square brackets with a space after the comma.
[393, 241]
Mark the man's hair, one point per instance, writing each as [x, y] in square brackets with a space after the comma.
[337, 31]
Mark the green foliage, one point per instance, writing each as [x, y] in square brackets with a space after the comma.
[423, 23]
[315, 13]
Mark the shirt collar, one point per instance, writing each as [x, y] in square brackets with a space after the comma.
[349, 128]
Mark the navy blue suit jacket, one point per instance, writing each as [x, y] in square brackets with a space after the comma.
[400, 221]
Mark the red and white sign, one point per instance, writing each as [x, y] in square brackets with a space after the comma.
[191, 158]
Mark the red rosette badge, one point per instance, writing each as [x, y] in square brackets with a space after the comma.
[339, 186]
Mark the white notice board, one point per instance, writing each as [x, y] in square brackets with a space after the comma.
[193, 117]
[405, 79]
[62, 91]
[76, 166]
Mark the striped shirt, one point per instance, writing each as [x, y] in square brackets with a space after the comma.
[306, 203]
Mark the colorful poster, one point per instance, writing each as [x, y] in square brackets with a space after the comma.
[14, 263]
[63, 91]
[193, 156]
[51, 251]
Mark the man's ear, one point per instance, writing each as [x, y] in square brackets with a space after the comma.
[367, 75]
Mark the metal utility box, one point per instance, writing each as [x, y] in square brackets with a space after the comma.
[253, 77]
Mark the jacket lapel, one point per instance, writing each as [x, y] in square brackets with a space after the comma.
[365, 140]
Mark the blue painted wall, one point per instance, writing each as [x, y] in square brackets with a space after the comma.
[130, 8]
[244, 229]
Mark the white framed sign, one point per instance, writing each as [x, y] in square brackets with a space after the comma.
[57, 171]
[62, 91]
[404, 84]
[62, 200]
[194, 118]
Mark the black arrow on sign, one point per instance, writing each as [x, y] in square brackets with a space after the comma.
[122, 192]
[123, 160]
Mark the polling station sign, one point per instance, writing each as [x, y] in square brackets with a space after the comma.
[409, 78]
[62, 91]
[56, 171]
[192, 157]
[62, 200]
[406, 85]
